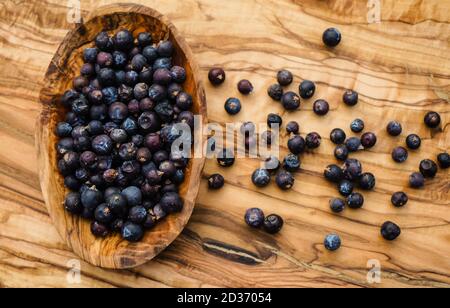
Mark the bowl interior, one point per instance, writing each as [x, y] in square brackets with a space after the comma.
[110, 252]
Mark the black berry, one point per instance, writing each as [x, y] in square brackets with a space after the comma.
[367, 181]
[399, 154]
[353, 144]
[331, 37]
[428, 168]
[338, 136]
[291, 163]
[416, 180]
[444, 160]
[394, 128]
[390, 231]
[313, 140]
[432, 119]
[216, 181]
[337, 205]
[226, 158]
[297, 144]
[292, 127]
[321, 107]
[333, 173]
[341, 152]
[357, 126]
[307, 89]
[355, 200]
[332, 242]
[350, 98]
[399, 199]
[273, 118]
[413, 141]
[254, 217]
[345, 188]
[273, 224]
[233, 106]
[285, 180]
[261, 177]
[245, 87]
[368, 140]
[216, 76]
[290, 101]
[285, 78]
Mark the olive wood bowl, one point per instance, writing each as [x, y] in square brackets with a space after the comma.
[110, 252]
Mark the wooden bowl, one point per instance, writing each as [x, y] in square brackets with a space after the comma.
[110, 252]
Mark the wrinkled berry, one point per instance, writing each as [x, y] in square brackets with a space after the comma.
[273, 224]
[291, 163]
[390, 231]
[98, 229]
[275, 91]
[307, 89]
[171, 202]
[290, 101]
[284, 180]
[352, 169]
[313, 140]
[399, 199]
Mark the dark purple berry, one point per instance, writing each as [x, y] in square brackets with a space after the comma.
[399, 154]
[157, 93]
[352, 169]
[103, 41]
[313, 140]
[337, 205]
[137, 214]
[390, 231]
[132, 232]
[178, 74]
[290, 101]
[341, 152]
[123, 40]
[321, 107]
[338, 136]
[368, 140]
[353, 144]
[332, 242]
[345, 188]
[394, 128]
[357, 126]
[275, 91]
[350, 98]
[285, 78]
[171, 202]
[413, 141]
[297, 144]
[432, 119]
[284, 180]
[216, 181]
[333, 173]
[91, 198]
[399, 199]
[245, 87]
[254, 217]
[428, 168]
[292, 127]
[261, 177]
[72, 203]
[416, 180]
[103, 214]
[184, 101]
[331, 37]
[272, 164]
[165, 49]
[355, 200]
[102, 145]
[105, 59]
[307, 89]
[273, 224]
[63, 129]
[233, 106]
[274, 119]
[90, 55]
[444, 160]
[133, 195]
[226, 158]
[216, 76]
[98, 229]
[367, 181]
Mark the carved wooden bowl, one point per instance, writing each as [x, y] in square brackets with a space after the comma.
[110, 252]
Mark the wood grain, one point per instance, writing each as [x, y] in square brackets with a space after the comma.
[112, 251]
[401, 69]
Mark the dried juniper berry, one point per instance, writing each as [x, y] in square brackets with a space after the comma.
[313, 140]
[88, 160]
[131, 78]
[333, 173]
[130, 125]
[216, 181]
[355, 200]
[137, 214]
[87, 70]
[341, 152]
[394, 128]
[350, 98]
[272, 164]
[353, 144]
[226, 158]
[390, 231]
[367, 181]
[102, 145]
[153, 142]
[233, 106]
[357, 126]
[444, 160]
[149, 122]
[143, 155]
[98, 229]
[275, 91]
[162, 63]
[368, 140]
[261, 177]
[117, 204]
[165, 49]
[123, 40]
[297, 144]
[428, 168]
[103, 214]
[399, 154]
[332, 242]
[91, 198]
[171, 202]
[72, 203]
[133, 195]
[345, 187]
[63, 129]
[132, 232]
[254, 217]
[416, 180]
[245, 87]
[290, 101]
[432, 119]
[331, 37]
[106, 77]
[110, 175]
[413, 141]
[399, 199]
[307, 89]
[352, 169]
[178, 74]
[285, 78]
[216, 76]
[80, 106]
[105, 59]
[338, 136]
[103, 41]
[80, 82]
[274, 119]
[110, 95]
[291, 163]
[292, 128]
[337, 205]
[90, 55]
[184, 101]
[162, 76]
[117, 225]
[321, 107]
[284, 180]
[186, 117]
[273, 223]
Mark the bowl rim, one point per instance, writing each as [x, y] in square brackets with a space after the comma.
[46, 172]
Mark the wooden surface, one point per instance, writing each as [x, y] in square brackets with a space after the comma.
[400, 67]
[112, 251]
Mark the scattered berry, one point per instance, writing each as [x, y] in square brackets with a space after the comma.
[399, 199]
[254, 217]
[296, 144]
[345, 188]
[261, 177]
[332, 242]
[367, 181]
[416, 180]
[233, 106]
[337, 205]
[428, 168]
[245, 87]
[444, 160]
[290, 101]
[285, 180]
[273, 224]
[413, 141]
[355, 200]
[275, 91]
[350, 98]
[331, 37]
[313, 140]
[333, 173]
[321, 107]
[307, 89]
[368, 140]
[394, 128]
[390, 231]
[291, 163]
[285, 78]
[217, 76]
[216, 181]
[432, 119]
[292, 128]
[338, 136]
[341, 152]
[399, 154]
[357, 126]
[353, 144]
